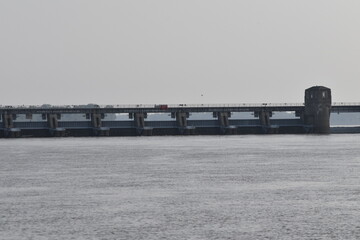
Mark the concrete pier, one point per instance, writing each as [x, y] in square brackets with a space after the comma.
[96, 122]
[8, 120]
[53, 124]
[317, 109]
[8, 125]
[264, 120]
[181, 119]
[224, 124]
[182, 124]
[139, 122]
[52, 120]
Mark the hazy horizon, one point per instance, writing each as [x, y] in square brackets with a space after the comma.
[175, 52]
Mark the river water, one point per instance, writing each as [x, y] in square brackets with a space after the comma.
[195, 187]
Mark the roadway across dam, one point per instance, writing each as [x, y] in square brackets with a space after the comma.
[312, 116]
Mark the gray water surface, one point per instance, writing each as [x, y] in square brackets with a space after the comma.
[198, 187]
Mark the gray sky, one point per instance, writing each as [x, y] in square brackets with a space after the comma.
[165, 51]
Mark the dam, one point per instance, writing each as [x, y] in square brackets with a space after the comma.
[310, 117]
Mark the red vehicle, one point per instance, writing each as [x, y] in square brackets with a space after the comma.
[162, 106]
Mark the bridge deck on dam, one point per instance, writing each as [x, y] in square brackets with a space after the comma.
[275, 107]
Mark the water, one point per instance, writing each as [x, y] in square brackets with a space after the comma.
[198, 187]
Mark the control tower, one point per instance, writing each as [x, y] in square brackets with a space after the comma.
[318, 108]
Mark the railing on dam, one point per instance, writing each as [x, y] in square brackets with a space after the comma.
[168, 105]
[150, 105]
[115, 108]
